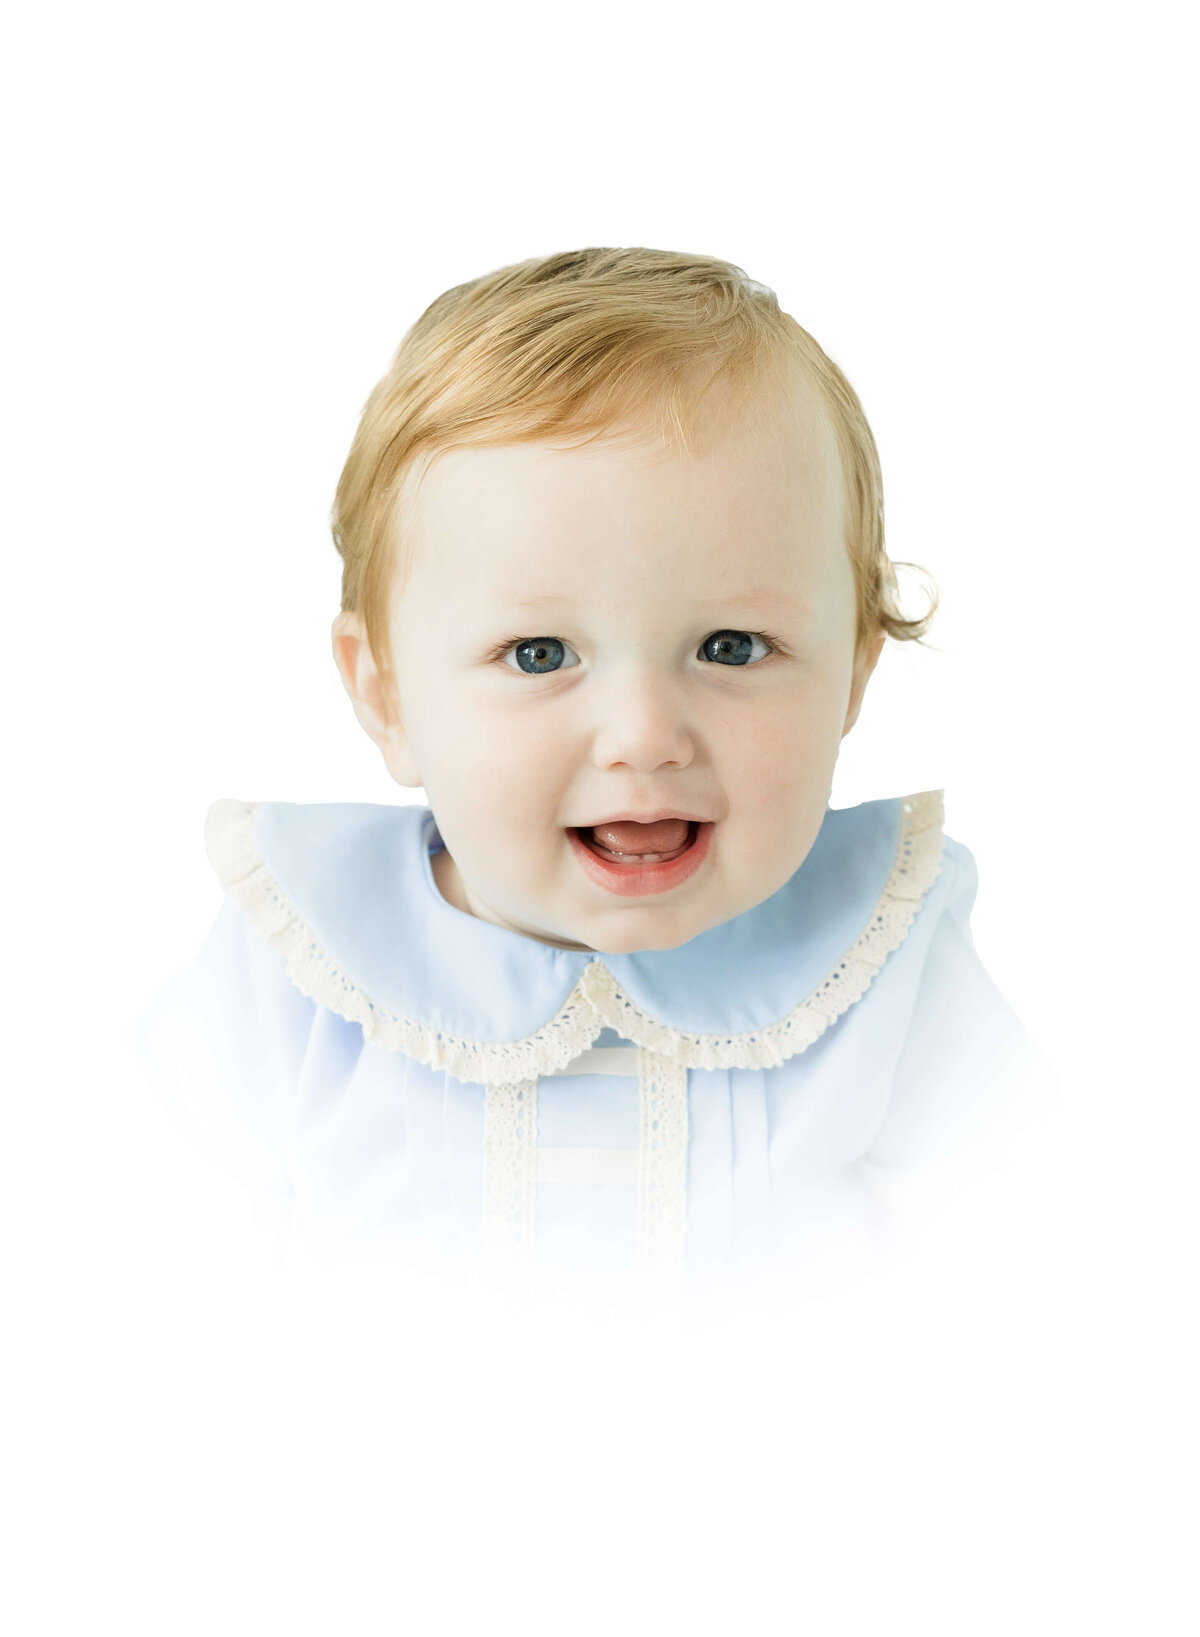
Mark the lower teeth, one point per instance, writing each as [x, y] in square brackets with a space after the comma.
[636, 859]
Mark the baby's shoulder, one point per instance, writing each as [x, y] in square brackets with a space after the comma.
[223, 1042]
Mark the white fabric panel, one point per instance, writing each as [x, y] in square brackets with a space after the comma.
[606, 1165]
[602, 1060]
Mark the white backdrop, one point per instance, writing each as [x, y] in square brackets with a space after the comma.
[223, 220]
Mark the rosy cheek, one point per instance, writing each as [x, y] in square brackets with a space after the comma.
[778, 762]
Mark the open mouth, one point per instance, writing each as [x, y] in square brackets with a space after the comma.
[636, 873]
[639, 860]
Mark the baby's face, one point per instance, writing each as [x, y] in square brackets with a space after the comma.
[622, 633]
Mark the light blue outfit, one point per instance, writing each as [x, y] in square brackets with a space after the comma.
[390, 1070]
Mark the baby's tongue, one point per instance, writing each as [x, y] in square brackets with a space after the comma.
[631, 837]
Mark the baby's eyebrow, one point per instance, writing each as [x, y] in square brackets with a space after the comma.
[758, 596]
[764, 596]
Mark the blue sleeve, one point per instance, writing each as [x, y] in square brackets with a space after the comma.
[223, 1044]
[968, 1072]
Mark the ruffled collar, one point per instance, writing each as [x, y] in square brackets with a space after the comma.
[345, 892]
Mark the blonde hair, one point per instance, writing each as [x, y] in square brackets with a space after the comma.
[579, 343]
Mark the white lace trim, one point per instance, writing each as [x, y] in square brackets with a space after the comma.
[916, 867]
[512, 1167]
[229, 838]
[597, 1000]
[510, 1156]
[662, 1164]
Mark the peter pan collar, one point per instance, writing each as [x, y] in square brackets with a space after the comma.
[345, 892]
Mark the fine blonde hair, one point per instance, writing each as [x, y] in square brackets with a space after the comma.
[580, 343]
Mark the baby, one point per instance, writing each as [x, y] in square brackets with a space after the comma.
[614, 584]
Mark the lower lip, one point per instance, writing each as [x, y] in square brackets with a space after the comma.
[640, 880]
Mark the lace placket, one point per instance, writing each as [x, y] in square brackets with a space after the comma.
[510, 1168]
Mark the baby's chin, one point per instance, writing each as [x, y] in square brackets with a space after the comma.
[623, 939]
[616, 924]
[633, 925]
[636, 925]
[646, 944]
[631, 928]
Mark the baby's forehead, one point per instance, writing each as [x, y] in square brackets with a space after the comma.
[785, 438]
[615, 572]
[731, 502]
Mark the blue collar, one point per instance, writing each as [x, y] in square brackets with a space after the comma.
[345, 890]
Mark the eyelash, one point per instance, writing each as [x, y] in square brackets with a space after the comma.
[774, 645]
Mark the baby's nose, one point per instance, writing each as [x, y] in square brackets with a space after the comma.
[644, 727]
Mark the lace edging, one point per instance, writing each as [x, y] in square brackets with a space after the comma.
[510, 1161]
[916, 867]
[596, 1000]
[229, 840]
[662, 1163]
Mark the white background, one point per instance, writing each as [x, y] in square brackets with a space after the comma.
[223, 219]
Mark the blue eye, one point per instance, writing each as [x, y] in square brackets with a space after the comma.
[733, 647]
[539, 655]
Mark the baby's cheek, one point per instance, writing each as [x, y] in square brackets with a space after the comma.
[501, 759]
[512, 740]
[781, 759]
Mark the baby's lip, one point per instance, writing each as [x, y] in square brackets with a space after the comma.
[655, 817]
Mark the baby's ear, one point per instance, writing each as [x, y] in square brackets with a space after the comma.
[865, 662]
[374, 703]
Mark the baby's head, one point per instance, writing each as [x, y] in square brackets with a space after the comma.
[614, 583]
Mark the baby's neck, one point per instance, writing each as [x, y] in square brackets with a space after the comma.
[453, 889]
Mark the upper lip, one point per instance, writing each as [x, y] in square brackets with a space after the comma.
[643, 818]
